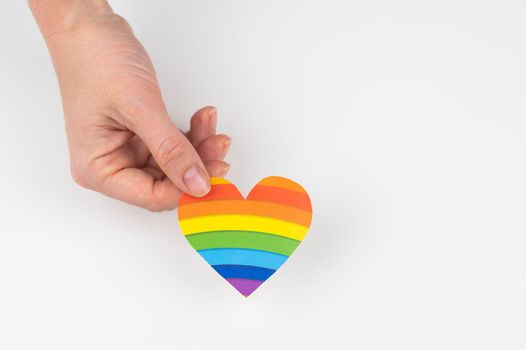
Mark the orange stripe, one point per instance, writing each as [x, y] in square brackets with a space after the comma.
[280, 196]
[281, 182]
[247, 207]
[217, 192]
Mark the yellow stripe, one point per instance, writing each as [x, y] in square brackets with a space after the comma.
[218, 181]
[243, 223]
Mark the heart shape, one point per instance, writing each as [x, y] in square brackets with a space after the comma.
[246, 240]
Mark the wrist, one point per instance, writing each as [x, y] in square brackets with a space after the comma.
[63, 16]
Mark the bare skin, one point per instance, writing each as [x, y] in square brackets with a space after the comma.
[122, 142]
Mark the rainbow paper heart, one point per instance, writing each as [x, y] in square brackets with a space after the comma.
[247, 240]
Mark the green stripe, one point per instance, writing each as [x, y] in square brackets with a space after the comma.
[243, 239]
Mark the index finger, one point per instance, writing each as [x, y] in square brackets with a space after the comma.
[137, 187]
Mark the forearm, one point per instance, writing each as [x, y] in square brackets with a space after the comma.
[56, 16]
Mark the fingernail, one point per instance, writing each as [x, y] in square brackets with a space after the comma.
[212, 119]
[226, 146]
[196, 182]
[225, 170]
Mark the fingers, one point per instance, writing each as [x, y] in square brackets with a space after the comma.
[217, 168]
[172, 151]
[214, 147]
[212, 151]
[156, 181]
[202, 125]
[155, 172]
[138, 150]
[138, 187]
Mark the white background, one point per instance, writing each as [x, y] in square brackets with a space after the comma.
[405, 121]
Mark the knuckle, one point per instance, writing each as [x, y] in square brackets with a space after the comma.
[84, 173]
[160, 198]
[79, 177]
[114, 19]
[171, 149]
[119, 20]
[154, 204]
[154, 207]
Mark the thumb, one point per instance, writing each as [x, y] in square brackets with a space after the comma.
[174, 153]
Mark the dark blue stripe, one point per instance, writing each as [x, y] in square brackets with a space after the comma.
[243, 271]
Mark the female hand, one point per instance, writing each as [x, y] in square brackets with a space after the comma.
[122, 142]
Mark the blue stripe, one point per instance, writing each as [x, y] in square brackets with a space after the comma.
[239, 256]
[241, 271]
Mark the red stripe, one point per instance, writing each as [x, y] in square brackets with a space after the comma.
[281, 196]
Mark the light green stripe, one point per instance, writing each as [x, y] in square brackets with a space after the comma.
[243, 239]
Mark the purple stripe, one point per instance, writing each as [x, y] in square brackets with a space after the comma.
[244, 286]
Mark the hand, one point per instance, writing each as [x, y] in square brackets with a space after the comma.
[122, 142]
